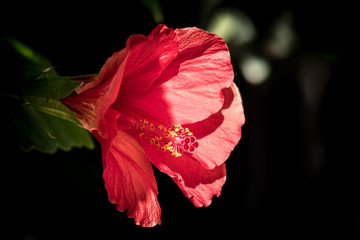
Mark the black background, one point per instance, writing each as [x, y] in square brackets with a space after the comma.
[272, 188]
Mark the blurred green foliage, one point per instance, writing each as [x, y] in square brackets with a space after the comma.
[30, 95]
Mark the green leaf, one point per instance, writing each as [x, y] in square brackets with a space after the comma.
[35, 75]
[31, 91]
[52, 87]
[30, 132]
[52, 107]
[42, 123]
[67, 134]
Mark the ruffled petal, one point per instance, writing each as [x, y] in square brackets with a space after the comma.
[189, 89]
[197, 183]
[148, 57]
[218, 134]
[91, 102]
[129, 179]
[191, 85]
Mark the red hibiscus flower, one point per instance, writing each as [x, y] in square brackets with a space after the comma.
[168, 99]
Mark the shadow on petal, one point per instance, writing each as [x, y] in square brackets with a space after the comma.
[207, 126]
[218, 134]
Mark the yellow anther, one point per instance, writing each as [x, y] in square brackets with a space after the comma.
[160, 127]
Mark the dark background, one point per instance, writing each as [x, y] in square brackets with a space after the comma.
[294, 173]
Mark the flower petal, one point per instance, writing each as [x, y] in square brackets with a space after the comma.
[197, 183]
[148, 57]
[129, 179]
[218, 134]
[192, 83]
[189, 89]
[91, 103]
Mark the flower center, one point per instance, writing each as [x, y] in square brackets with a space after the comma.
[173, 138]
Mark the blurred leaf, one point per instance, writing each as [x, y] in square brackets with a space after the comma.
[29, 63]
[37, 75]
[154, 6]
[32, 93]
[28, 53]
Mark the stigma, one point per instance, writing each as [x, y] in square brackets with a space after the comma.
[173, 139]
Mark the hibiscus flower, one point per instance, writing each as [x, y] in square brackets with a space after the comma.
[167, 99]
